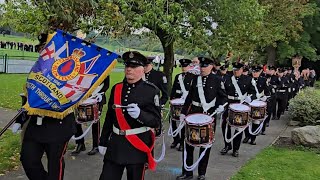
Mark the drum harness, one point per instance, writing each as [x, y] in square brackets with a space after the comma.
[206, 106]
[259, 96]
[241, 97]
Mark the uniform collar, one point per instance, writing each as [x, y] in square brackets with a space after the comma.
[132, 85]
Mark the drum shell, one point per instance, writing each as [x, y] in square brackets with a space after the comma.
[199, 135]
[175, 112]
[238, 118]
[258, 113]
[87, 113]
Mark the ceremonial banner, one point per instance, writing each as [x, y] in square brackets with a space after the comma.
[68, 70]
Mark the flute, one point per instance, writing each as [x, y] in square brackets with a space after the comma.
[114, 106]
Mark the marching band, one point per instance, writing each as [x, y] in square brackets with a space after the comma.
[244, 99]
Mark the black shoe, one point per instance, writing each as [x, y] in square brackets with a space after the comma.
[180, 148]
[80, 147]
[253, 143]
[201, 177]
[263, 133]
[225, 150]
[174, 144]
[274, 118]
[245, 140]
[184, 176]
[267, 124]
[93, 151]
[235, 153]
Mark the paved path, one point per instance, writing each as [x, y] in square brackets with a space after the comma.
[84, 167]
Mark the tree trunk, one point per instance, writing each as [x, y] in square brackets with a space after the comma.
[167, 45]
[271, 54]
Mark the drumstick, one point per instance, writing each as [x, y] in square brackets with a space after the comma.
[114, 106]
[215, 112]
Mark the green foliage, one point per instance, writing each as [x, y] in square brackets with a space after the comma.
[305, 107]
[280, 163]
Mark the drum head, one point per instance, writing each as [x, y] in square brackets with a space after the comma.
[239, 107]
[257, 103]
[198, 119]
[89, 101]
[177, 101]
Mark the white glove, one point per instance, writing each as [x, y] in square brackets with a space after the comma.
[133, 110]
[16, 127]
[182, 117]
[102, 150]
[220, 109]
[247, 99]
[264, 98]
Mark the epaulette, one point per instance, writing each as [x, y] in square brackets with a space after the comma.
[151, 84]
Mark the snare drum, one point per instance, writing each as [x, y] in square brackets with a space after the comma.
[238, 114]
[88, 111]
[199, 130]
[176, 107]
[258, 110]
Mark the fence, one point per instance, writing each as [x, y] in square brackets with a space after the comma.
[14, 64]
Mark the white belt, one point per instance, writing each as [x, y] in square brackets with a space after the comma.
[282, 91]
[196, 104]
[130, 131]
[233, 98]
[178, 91]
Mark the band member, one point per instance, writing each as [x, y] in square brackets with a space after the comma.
[157, 78]
[180, 89]
[45, 135]
[207, 102]
[246, 90]
[95, 127]
[133, 109]
[282, 93]
[245, 70]
[272, 80]
[261, 84]
[291, 78]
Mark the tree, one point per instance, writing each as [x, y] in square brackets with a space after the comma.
[209, 27]
[283, 23]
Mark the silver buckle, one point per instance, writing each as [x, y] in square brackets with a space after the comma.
[122, 132]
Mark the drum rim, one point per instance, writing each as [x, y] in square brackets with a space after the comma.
[238, 110]
[264, 104]
[87, 103]
[202, 145]
[212, 119]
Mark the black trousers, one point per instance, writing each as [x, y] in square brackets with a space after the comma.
[202, 168]
[282, 100]
[174, 127]
[114, 171]
[95, 134]
[236, 141]
[31, 154]
[247, 133]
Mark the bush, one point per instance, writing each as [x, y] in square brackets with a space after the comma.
[305, 107]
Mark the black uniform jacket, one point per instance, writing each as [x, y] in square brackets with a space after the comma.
[176, 89]
[212, 88]
[51, 130]
[160, 80]
[245, 85]
[119, 149]
[261, 83]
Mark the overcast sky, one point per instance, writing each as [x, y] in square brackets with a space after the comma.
[1, 1]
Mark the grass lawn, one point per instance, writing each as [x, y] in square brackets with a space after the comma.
[281, 164]
[9, 150]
